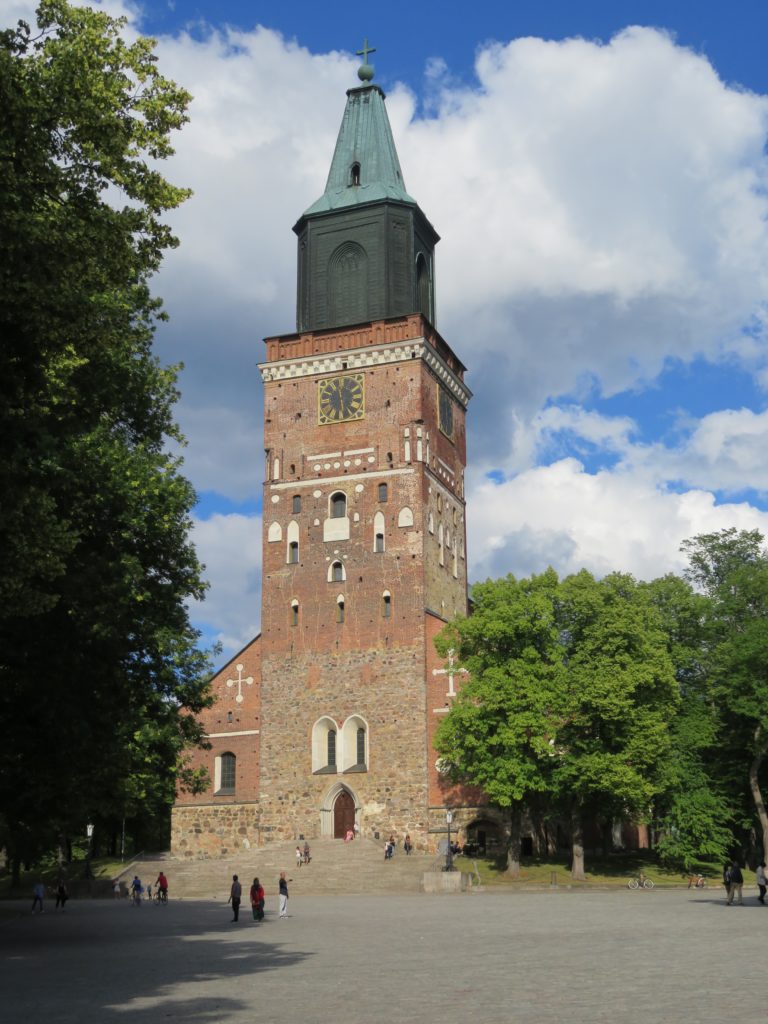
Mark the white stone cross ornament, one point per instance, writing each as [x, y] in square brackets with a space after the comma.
[239, 681]
[450, 672]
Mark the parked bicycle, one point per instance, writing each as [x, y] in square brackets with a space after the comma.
[640, 882]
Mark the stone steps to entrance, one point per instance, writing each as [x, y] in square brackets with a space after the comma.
[336, 867]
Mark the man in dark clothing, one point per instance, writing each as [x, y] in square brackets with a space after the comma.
[234, 897]
[737, 881]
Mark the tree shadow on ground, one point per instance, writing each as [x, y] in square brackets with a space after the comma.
[112, 963]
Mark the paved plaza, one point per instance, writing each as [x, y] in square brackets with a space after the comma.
[537, 958]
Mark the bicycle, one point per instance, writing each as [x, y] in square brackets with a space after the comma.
[696, 881]
[640, 882]
[161, 896]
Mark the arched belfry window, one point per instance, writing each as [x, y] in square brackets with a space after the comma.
[336, 572]
[348, 285]
[354, 174]
[338, 505]
[423, 289]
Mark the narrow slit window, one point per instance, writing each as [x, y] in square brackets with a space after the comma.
[361, 746]
[337, 572]
[297, 503]
[382, 492]
[386, 606]
[379, 543]
[355, 174]
[340, 610]
[338, 505]
[293, 553]
[294, 613]
[331, 750]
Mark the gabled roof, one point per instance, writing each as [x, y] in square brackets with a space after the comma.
[365, 138]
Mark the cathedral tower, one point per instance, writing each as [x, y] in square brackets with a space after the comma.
[363, 526]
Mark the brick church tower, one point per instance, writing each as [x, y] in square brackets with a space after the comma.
[324, 722]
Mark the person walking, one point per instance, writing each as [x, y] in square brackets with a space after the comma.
[283, 896]
[761, 881]
[38, 891]
[299, 857]
[737, 881]
[257, 900]
[235, 893]
[136, 890]
[727, 879]
[307, 855]
[61, 895]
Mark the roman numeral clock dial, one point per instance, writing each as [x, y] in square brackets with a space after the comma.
[340, 399]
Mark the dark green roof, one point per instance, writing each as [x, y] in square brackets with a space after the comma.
[365, 138]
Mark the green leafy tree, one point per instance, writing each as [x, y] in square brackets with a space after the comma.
[692, 814]
[619, 698]
[731, 568]
[570, 695]
[499, 729]
[95, 640]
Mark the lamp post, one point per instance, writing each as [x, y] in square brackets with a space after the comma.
[89, 854]
[449, 851]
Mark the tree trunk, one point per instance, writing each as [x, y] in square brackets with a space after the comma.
[754, 787]
[577, 845]
[617, 834]
[515, 841]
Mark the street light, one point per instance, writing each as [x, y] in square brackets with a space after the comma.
[89, 853]
[449, 851]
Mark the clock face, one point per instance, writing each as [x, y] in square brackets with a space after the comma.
[445, 412]
[340, 399]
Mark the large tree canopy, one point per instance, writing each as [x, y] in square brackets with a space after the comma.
[731, 568]
[571, 693]
[99, 667]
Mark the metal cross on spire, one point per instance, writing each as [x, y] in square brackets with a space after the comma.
[239, 683]
[365, 72]
[451, 672]
[365, 51]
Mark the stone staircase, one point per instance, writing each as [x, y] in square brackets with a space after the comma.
[336, 867]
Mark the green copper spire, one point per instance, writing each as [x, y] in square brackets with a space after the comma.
[365, 249]
[365, 168]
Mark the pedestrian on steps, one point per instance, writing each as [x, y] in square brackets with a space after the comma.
[299, 857]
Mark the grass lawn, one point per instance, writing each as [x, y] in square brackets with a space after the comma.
[612, 872]
[104, 870]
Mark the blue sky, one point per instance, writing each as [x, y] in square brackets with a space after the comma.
[598, 174]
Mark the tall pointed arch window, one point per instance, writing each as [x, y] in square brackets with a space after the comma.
[423, 289]
[348, 284]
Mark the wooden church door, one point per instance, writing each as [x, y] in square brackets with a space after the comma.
[343, 815]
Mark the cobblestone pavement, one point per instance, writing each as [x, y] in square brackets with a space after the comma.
[620, 956]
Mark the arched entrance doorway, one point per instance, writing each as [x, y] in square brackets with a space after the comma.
[343, 814]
